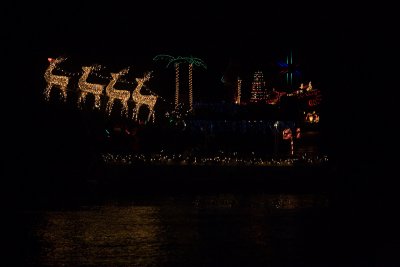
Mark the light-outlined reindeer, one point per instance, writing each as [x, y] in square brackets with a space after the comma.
[86, 88]
[122, 95]
[139, 99]
[55, 80]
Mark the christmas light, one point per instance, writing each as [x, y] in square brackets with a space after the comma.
[258, 88]
[139, 99]
[309, 88]
[221, 159]
[239, 91]
[89, 88]
[192, 61]
[176, 85]
[191, 86]
[113, 94]
[312, 117]
[55, 80]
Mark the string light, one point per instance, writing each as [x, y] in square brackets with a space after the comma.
[309, 88]
[86, 88]
[89, 88]
[220, 159]
[258, 88]
[239, 90]
[176, 85]
[192, 61]
[113, 94]
[312, 117]
[191, 86]
[55, 80]
[139, 99]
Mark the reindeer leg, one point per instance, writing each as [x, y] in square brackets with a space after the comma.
[64, 93]
[148, 117]
[138, 105]
[47, 91]
[109, 106]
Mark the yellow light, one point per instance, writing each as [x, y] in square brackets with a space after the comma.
[191, 86]
[55, 80]
[113, 94]
[139, 99]
[239, 90]
[86, 88]
[176, 85]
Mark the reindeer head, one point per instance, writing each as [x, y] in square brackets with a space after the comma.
[115, 76]
[86, 69]
[145, 78]
[96, 67]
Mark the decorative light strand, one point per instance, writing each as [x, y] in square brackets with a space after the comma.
[86, 88]
[139, 99]
[191, 86]
[55, 80]
[176, 85]
[220, 159]
[239, 90]
[113, 94]
[258, 88]
[192, 61]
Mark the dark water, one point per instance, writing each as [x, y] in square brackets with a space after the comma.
[218, 229]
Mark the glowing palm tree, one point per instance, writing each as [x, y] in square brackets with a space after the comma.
[196, 62]
[170, 60]
[192, 61]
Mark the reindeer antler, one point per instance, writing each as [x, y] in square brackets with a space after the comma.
[123, 71]
[147, 76]
[96, 67]
[60, 59]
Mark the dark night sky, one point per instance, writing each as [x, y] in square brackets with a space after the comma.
[339, 46]
[347, 49]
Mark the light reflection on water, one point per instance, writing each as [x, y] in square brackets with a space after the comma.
[206, 230]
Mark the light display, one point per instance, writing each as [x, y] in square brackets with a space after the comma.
[139, 99]
[312, 95]
[222, 158]
[289, 69]
[274, 97]
[192, 61]
[113, 94]
[191, 86]
[309, 87]
[312, 117]
[239, 91]
[89, 88]
[298, 133]
[176, 85]
[288, 135]
[55, 80]
[258, 88]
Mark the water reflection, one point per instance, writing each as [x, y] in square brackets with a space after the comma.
[205, 230]
[100, 236]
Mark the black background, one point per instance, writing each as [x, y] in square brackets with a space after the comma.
[350, 50]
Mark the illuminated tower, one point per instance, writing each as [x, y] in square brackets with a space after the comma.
[258, 88]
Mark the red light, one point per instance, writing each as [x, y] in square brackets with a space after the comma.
[49, 59]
